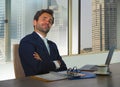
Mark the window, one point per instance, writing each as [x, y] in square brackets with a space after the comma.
[99, 25]
[2, 27]
[21, 13]
[92, 24]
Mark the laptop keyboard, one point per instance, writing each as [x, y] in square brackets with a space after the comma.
[89, 67]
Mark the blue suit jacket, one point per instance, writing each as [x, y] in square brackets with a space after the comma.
[33, 43]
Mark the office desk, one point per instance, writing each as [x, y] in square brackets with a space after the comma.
[100, 81]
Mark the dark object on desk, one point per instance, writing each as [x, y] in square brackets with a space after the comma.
[86, 75]
[89, 67]
[74, 73]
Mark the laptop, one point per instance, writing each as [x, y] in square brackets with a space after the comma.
[90, 67]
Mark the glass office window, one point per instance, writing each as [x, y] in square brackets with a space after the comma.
[21, 22]
[75, 25]
[22, 18]
[2, 28]
[99, 25]
[86, 25]
[59, 31]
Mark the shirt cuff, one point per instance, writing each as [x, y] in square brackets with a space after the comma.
[56, 64]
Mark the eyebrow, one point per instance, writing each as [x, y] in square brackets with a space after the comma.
[51, 19]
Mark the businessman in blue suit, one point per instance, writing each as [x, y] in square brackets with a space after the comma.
[37, 56]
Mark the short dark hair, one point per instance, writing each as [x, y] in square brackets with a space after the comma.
[40, 12]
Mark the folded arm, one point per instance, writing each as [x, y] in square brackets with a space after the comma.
[32, 65]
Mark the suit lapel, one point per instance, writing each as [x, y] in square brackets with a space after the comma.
[40, 43]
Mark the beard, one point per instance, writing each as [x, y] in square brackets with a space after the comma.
[42, 29]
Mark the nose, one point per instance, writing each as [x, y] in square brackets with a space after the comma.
[49, 21]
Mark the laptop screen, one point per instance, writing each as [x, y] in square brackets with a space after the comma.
[109, 57]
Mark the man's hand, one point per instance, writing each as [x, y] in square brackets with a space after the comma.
[36, 56]
[59, 62]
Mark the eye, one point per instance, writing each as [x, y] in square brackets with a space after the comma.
[47, 19]
[50, 21]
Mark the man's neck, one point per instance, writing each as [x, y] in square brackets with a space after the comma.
[41, 34]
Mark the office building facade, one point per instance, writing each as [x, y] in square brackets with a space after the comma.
[104, 24]
[2, 26]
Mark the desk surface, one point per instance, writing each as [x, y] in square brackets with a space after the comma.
[100, 81]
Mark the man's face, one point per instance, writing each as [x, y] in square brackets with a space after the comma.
[44, 23]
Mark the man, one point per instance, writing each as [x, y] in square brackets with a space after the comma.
[37, 57]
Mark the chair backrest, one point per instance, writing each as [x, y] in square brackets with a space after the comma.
[18, 69]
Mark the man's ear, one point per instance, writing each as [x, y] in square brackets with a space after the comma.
[34, 22]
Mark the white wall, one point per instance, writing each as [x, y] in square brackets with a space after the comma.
[99, 58]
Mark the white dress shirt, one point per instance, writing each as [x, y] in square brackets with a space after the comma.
[47, 46]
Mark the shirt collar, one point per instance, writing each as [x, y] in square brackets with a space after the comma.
[41, 35]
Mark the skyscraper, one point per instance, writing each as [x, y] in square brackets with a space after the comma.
[2, 28]
[104, 24]
[2, 18]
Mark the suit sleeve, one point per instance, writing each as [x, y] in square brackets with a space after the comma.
[58, 57]
[30, 65]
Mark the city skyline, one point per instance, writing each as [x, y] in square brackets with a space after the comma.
[108, 15]
[104, 24]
